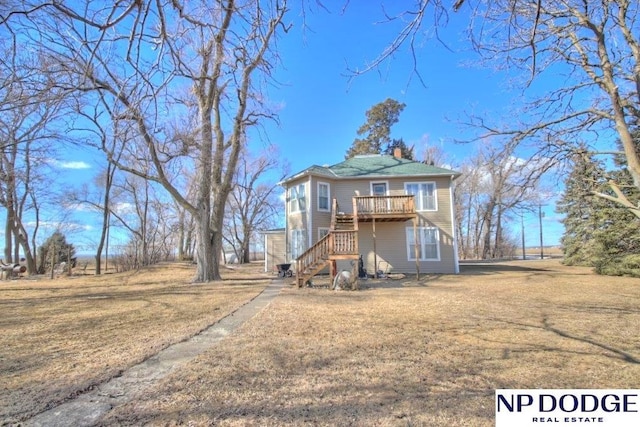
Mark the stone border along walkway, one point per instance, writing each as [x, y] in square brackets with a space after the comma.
[87, 408]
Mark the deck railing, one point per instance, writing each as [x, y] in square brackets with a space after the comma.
[385, 205]
[343, 242]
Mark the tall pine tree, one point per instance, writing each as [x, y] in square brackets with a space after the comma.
[582, 219]
[599, 232]
[618, 238]
[377, 128]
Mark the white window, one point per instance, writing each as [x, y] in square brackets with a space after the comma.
[428, 244]
[323, 197]
[379, 188]
[425, 195]
[297, 202]
[322, 231]
[298, 242]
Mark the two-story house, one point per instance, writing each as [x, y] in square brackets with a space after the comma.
[396, 213]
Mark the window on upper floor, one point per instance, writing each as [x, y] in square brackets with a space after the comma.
[297, 201]
[425, 195]
[323, 197]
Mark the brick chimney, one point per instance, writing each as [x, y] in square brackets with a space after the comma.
[397, 153]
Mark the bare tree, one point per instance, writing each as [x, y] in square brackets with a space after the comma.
[590, 48]
[468, 214]
[97, 198]
[185, 228]
[495, 185]
[100, 134]
[596, 47]
[141, 208]
[413, 19]
[253, 203]
[29, 108]
[143, 61]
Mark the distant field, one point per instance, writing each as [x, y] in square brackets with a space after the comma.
[396, 353]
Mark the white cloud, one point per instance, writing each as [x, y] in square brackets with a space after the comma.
[123, 208]
[73, 165]
[67, 226]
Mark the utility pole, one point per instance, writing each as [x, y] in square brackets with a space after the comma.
[524, 256]
[540, 215]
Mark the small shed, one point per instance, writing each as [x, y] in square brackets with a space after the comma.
[275, 248]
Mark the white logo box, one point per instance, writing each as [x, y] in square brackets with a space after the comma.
[567, 407]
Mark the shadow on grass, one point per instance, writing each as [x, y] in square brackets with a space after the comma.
[619, 353]
[355, 403]
[614, 353]
[480, 268]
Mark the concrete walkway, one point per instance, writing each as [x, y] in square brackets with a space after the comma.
[87, 408]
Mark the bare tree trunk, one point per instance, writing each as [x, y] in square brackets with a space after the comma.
[181, 234]
[105, 216]
[206, 270]
[488, 222]
[497, 241]
[246, 251]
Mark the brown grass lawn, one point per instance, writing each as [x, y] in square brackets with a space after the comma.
[60, 337]
[396, 353]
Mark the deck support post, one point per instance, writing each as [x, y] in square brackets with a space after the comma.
[415, 247]
[375, 252]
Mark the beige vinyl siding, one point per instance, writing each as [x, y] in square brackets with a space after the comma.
[344, 191]
[319, 219]
[391, 248]
[442, 220]
[275, 249]
[299, 220]
[390, 236]
[391, 242]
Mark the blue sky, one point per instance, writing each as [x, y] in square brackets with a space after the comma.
[320, 107]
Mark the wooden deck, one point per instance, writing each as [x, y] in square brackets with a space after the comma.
[384, 208]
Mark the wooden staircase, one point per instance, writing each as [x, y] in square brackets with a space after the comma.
[340, 243]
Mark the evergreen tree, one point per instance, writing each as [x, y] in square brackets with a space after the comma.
[56, 247]
[618, 238]
[406, 152]
[600, 232]
[377, 129]
[581, 209]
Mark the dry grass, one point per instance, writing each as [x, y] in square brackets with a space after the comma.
[406, 353]
[60, 337]
[397, 353]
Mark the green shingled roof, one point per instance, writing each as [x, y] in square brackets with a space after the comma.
[374, 165]
[381, 165]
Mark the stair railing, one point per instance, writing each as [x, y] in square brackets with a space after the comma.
[319, 252]
[336, 242]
